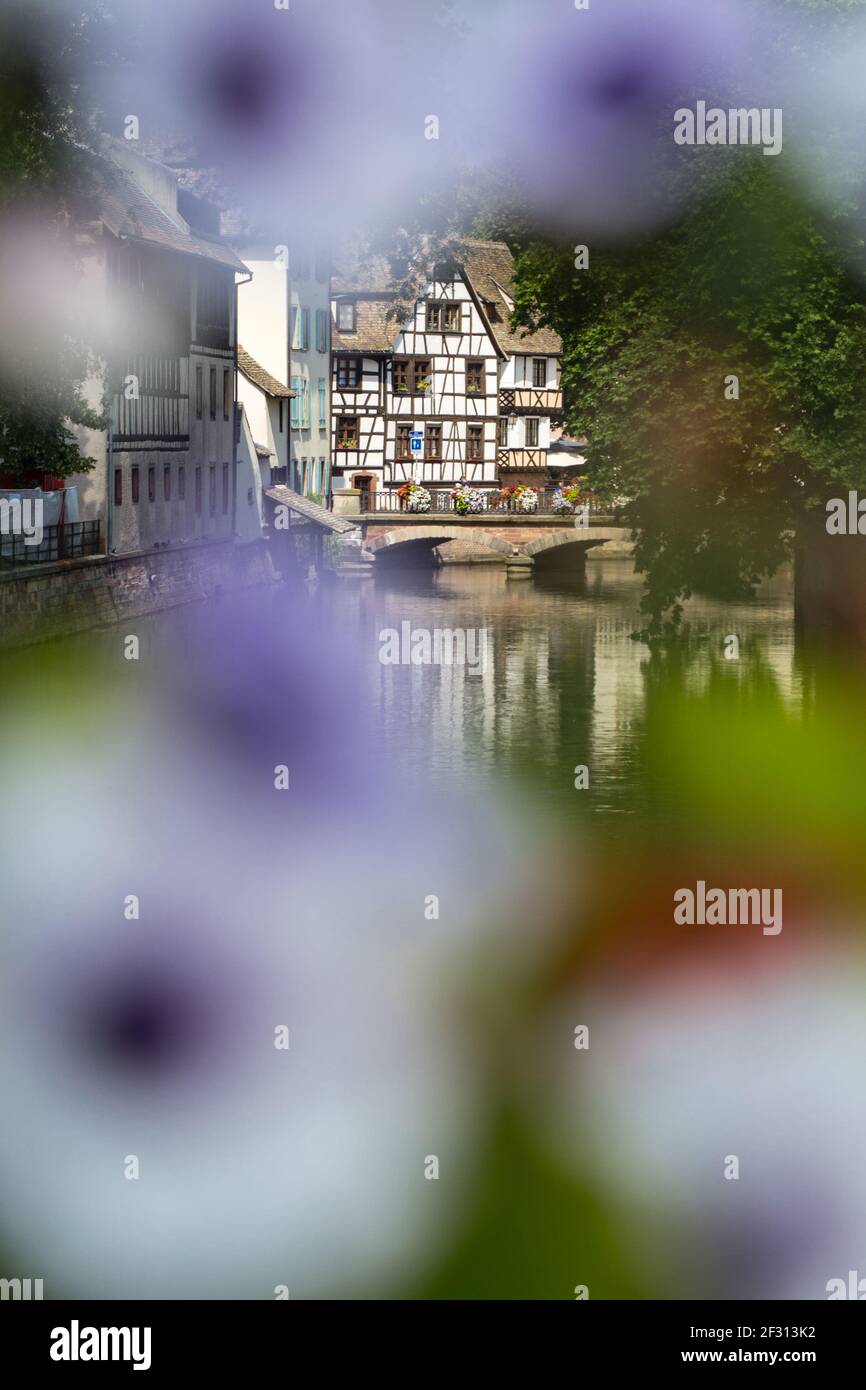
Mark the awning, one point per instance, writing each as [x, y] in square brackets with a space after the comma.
[565, 460]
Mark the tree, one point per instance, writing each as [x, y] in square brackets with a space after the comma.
[717, 370]
[46, 168]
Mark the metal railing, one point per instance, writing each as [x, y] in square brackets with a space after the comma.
[158, 403]
[71, 540]
[442, 503]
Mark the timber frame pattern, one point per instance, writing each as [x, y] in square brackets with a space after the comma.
[451, 369]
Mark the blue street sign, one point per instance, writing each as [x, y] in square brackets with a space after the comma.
[417, 440]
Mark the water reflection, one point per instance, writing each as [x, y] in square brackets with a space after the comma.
[566, 683]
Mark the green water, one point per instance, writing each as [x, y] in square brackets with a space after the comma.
[565, 684]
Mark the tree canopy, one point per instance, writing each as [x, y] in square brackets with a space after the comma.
[753, 283]
[45, 168]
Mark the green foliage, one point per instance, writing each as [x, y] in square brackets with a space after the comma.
[46, 167]
[749, 283]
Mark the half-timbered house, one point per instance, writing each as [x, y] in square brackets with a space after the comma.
[444, 390]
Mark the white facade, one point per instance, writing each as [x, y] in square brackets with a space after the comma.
[310, 347]
[166, 467]
[483, 414]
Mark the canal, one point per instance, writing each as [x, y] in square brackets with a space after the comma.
[565, 684]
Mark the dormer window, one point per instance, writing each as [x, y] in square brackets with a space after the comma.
[443, 316]
[347, 316]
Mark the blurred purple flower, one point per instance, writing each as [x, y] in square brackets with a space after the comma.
[701, 1067]
[153, 1035]
[267, 683]
[583, 103]
[295, 106]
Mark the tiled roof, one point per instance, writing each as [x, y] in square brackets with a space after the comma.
[487, 265]
[490, 268]
[310, 511]
[127, 211]
[259, 377]
[376, 332]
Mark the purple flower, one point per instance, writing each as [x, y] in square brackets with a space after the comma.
[583, 103]
[294, 106]
[178, 913]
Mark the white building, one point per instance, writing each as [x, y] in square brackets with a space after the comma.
[310, 289]
[451, 370]
[166, 467]
[265, 402]
[284, 327]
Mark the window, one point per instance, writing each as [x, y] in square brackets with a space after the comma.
[404, 442]
[213, 393]
[282, 413]
[421, 376]
[347, 432]
[532, 434]
[199, 392]
[539, 371]
[151, 484]
[321, 330]
[227, 394]
[502, 432]
[198, 490]
[347, 316]
[166, 483]
[433, 443]
[181, 483]
[323, 403]
[402, 369]
[212, 308]
[300, 329]
[474, 378]
[211, 492]
[135, 483]
[348, 373]
[443, 317]
[225, 489]
[475, 443]
[118, 487]
[300, 403]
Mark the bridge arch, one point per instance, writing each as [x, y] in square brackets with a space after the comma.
[552, 549]
[434, 535]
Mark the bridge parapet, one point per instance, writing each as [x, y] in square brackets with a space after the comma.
[511, 537]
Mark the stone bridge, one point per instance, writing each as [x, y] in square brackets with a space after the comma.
[523, 543]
